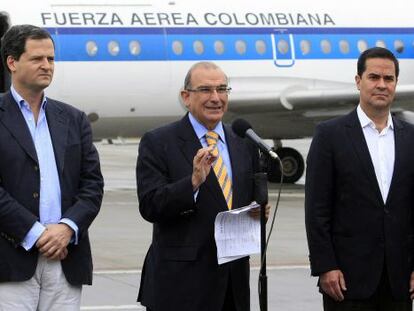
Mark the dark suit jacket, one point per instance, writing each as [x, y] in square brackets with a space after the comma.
[180, 270]
[81, 186]
[348, 225]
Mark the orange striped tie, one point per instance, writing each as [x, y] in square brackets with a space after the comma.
[220, 169]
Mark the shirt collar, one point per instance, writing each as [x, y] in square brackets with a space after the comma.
[201, 130]
[366, 121]
[22, 102]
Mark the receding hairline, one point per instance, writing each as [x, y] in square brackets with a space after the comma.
[204, 65]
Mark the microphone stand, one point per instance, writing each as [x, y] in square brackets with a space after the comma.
[261, 197]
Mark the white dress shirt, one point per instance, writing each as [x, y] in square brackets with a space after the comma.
[381, 147]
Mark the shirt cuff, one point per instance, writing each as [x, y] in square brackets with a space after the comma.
[32, 236]
[74, 227]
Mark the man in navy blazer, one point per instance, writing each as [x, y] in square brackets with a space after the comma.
[180, 194]
[360, 198]
[51, 185]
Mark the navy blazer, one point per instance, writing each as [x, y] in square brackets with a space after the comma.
[349, 227]
[80, 179]
[180, 270]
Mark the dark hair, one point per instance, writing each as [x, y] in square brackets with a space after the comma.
[206, 65]
[13, 43]
[376, 52]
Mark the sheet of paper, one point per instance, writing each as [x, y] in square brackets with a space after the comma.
[237, 234]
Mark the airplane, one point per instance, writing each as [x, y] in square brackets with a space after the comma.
[290, 64]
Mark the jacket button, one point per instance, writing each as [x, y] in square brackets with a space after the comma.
[36, 168]
[35, 195]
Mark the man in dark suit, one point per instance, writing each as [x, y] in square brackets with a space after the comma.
[181, 193]
[50, 183]
[360, 198]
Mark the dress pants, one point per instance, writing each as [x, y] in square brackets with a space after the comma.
[228, 301]
[381, 300]
[47, 290]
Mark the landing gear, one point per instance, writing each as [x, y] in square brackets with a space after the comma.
[293, 166]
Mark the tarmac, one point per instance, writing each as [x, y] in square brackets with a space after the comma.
[120, 238]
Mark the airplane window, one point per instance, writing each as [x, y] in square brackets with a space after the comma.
[305, 47]
[219, 47]
[362, 45]
[198, 47]
[344, 46]
[113, 48]
[399, 46]
[283, 46]
[380, 44]
[91, 48]
[260, 47]
[177, 47]
[326, 46]
[240, 46]
[134, 47]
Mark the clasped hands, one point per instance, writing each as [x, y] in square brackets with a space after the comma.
[54, 240]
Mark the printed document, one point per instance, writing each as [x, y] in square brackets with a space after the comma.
[237, 234]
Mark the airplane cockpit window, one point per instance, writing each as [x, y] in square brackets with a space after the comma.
[219, 47]
[362, 45]
[326, 46]
[91, 48]
[241, 47]
[113, 48]
[399, 46]
[380, 44]
[283, 46]
[260, 47]
[344, 46]
[305, 47]
[177, 47]
[134, 48]
[198, 47]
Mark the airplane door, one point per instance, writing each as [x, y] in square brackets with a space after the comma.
[283, 48]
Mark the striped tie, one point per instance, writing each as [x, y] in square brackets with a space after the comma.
[220, 169]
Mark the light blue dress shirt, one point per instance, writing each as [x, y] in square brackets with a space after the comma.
[201, 132]
[50, 194]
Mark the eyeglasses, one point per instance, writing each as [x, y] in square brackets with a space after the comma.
[208, 90]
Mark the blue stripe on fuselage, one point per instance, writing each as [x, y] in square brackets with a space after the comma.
[156, 43]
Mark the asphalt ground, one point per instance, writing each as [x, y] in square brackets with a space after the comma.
[120, 239]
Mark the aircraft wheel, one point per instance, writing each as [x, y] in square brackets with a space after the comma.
[293, 166]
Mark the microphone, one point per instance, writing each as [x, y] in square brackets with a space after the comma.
[243, 129]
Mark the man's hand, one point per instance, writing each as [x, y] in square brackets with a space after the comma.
[201, 166]
[255, 213]
[333, 283]
[54, 240]
[412, 285]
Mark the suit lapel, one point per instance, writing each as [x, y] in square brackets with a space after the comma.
[58, 128]
[13, 120]
[361, 149]
[399, 143]
[190, 144]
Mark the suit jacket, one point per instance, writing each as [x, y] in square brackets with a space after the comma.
[80, 179]
[180, 270]
[348, 225]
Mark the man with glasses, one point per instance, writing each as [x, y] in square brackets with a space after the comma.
[187, 172]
